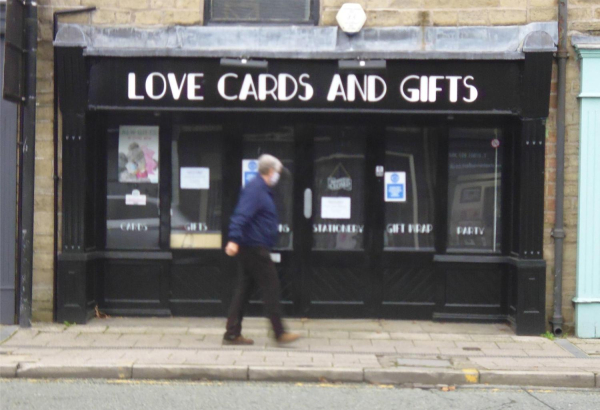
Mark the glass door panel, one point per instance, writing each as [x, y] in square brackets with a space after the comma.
[339, 181]
[409, 188]
[279, 142]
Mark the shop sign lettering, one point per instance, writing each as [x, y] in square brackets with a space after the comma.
[133, 227]
[416, 88]
[286, 87]
[196, 227]
[338, 228]
[409, 228]
[470, 230]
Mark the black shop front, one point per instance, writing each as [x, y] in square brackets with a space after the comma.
[415, 192]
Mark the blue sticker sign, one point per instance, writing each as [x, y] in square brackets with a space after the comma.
[395, 186]
[249, 170]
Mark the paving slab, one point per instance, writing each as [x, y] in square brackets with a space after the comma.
[545, 378]
[315, 374]
[189, 372]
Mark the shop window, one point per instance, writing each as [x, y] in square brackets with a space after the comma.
[410, 158]
[339, 183]
[474, 190]
[262, 11]
[279, 142]
[196, 185]
[132, 188]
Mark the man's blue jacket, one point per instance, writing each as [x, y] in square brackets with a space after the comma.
[254, 221]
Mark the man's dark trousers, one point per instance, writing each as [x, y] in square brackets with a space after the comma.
[257, 267]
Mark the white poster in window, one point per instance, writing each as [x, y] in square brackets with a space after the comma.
[395, 186]
[138, 154]
[194, 178]
[249, 170]
[335, 207]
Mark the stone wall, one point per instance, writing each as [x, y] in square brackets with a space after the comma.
[584, 15]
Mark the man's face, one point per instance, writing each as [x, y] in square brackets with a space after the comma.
[273, 176]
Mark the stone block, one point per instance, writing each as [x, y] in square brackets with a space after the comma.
[540, 378]
[313, 374]
[77, 371]
[544, 3]
[459, 4]
[580, 13]
[182, 17]
[148, 18]
[189, 372]
[543, 14]
[507, 17]
[134, 4]
[420, 375]
[8, 370]
[384, 18]
[162, 4]
[189, 4]
[445, 18]
[473, 17]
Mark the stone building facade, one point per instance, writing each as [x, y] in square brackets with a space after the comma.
[584, 17]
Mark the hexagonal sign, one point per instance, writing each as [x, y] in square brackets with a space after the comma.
[351, 18]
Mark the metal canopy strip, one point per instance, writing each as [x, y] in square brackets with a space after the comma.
[301, 42]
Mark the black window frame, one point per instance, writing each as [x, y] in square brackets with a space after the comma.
[313, 20]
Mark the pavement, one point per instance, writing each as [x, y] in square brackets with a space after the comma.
[412, 353]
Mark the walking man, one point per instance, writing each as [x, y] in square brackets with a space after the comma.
[253, 231]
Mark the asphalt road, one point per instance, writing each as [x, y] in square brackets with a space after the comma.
[148, 395]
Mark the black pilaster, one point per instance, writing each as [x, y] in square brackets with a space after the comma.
[75, 276]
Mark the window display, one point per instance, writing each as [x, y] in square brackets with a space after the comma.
[196, 187]
[132, 208]
[474, 190]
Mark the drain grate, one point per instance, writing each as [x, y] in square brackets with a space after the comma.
[472, 349]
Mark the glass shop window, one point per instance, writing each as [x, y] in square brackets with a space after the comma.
[410, 181]
[474, 190]
[196, 185]
[338, 195]
[262, 11]
[132, 188]
[279, 142]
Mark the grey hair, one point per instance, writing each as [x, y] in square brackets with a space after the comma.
[266, 162]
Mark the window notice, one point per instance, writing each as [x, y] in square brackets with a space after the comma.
[195, 178]
[135, 198]
[249, 170]
[336, 207]
[395, 186]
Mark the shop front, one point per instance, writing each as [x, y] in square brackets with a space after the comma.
[416, 176]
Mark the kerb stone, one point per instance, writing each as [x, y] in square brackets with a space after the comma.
[82, 371]
[8, 370]
[189, 372]
[531, 378]
[315, 374]
[421, 376]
